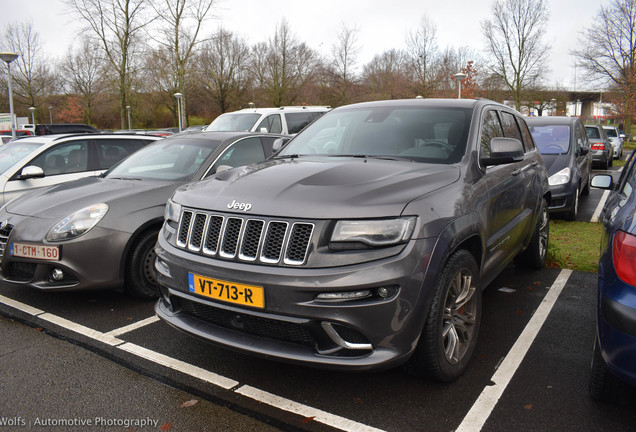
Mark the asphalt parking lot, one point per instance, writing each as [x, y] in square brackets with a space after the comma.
[101, 361]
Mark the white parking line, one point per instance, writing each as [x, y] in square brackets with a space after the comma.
[191, 370]
[304, 410]
[483, 407]
[133, 326]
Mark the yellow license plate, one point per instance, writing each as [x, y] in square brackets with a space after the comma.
[231, 292]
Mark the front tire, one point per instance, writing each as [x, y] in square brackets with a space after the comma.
[450, 334]
[574, 211]
[141, 276]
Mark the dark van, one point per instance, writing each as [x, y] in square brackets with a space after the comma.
[50, 129]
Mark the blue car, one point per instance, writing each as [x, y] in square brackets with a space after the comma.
[614, 360]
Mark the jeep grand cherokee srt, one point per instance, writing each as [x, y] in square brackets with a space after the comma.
[365, 243]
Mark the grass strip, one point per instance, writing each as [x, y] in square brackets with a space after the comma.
[574, 245]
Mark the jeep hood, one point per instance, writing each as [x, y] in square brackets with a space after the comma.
[319, 188]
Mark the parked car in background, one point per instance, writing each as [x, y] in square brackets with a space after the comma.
[99, 232]
[64, 128]
[18, 132]
[35, 162]
[614, 358]
[564, 146]
[365, 242]
[602, 152]
[283, 120]
[616, 139]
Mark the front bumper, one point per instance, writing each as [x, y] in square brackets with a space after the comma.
[562, 198]
[365, 334]
[92, 261]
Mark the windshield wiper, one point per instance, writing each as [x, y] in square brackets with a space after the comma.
[291, 156]
[124, 178]
[366, 156]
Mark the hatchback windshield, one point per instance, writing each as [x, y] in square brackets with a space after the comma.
[234, 122]
[12, 152]
[173, 159]
[434, 135]
[552, 139]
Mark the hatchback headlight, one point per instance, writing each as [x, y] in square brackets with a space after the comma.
[562, 177]
[373, 232]
[78, 223]
[172, 212]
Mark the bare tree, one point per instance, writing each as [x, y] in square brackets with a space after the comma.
[514, 40]
[83, 74]
[180, 35]
[32, 76]
[609, 51]
[343, 61]
[284, 65]
[223, 70]
[423, 56]
[386, 75]
[117, 26]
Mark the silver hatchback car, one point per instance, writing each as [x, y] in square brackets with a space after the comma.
[32, 163]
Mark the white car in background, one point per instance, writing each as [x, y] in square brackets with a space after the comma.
[283, 120]
[35, 162]
[616, 139]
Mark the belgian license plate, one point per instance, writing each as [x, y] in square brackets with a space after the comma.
[232, 292]
[42, 252]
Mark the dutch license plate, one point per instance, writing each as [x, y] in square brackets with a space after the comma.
[35, 251]
[232, 292]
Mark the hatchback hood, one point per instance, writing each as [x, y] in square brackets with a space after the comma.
[61, 200]
[321, 188]
[555, 162]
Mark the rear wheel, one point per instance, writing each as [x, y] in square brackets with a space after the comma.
[141, 276]
[535, 255]
[603, 386]
[450, 333]
[574, 210]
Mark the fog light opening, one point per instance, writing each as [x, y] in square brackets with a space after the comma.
[162, 267]
[340, 341]
[57, 274]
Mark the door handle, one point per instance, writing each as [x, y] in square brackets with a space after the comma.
[516, 172]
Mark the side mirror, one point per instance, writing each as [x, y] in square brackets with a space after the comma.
[30, 172]
[263, 130]
[584, 150]
[222, 168]
[278, 144]
[602, 181]
[504, 151]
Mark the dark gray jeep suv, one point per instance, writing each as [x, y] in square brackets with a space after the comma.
[365, 243]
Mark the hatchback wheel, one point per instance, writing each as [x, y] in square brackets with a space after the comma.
[535, 255]
[574, 210]
[450, 333]
[141, 276]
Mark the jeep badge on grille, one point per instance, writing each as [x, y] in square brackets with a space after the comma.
[234, 205]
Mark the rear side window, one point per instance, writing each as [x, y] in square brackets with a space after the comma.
[111, 151]
[491, 128]
[297, 121]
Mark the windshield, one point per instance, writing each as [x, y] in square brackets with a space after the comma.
[170, 159]
[234, 122]
[551, 139]
[12, 152]
[423, 134]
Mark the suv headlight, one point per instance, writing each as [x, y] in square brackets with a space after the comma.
[562, 177]
[78, 223]
[372, 232]
[172, 212]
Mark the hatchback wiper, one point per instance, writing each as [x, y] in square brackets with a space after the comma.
[290, 156]
[124, 178]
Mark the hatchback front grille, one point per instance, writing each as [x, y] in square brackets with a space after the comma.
[245, 239]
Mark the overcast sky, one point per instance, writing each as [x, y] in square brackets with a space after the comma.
[381, 24]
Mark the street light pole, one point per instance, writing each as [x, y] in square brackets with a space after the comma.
[179, 96]
[460, 77]
[51, 114]
[128, 112]
[32, 109]
[8, 57]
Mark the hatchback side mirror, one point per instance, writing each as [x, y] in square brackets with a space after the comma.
[602, 181]
[30, 172]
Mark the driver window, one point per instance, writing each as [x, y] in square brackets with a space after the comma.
[243, 152]
[272, 123]
[64, 159]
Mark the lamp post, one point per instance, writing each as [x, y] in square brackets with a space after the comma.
[460, 77]
[179, 96]
[51, 114]
[128, 113]
[8, 57]
[32, 109]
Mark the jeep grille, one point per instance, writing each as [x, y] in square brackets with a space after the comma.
[266, 241]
